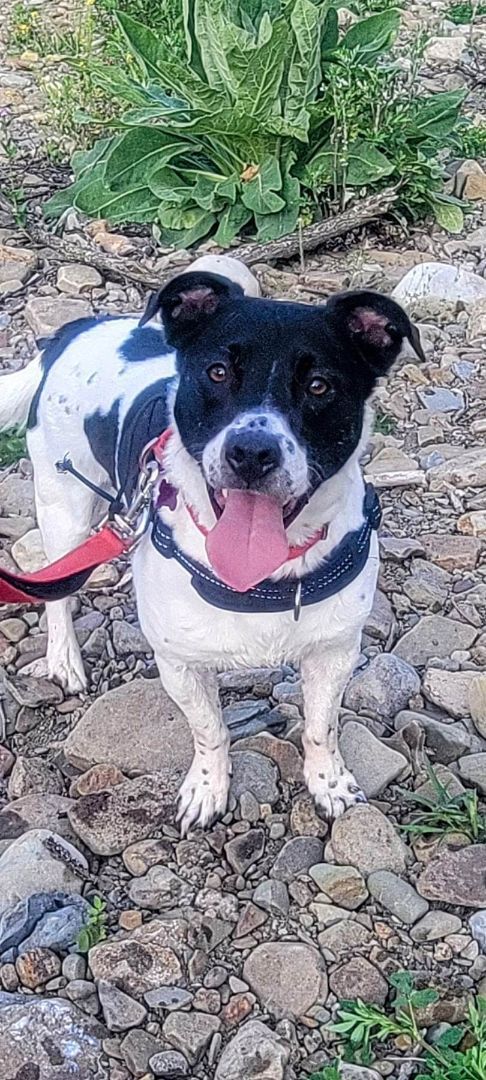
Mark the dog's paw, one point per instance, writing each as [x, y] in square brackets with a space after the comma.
[333, 788]
[204, 793]
[67, 669]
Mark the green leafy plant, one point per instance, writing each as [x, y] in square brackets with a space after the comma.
[458, 1054]
[12, 447]
[472, 140]
[384, 423]
[465, 12]
[94, 929]
[444, 813]
[273, 108]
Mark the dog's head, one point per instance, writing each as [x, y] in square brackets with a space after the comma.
[271, 395]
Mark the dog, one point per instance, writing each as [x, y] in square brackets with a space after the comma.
[267, 402]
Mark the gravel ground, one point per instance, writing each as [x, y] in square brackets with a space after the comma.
[226, 953]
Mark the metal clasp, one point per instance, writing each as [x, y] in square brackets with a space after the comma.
[133, 523]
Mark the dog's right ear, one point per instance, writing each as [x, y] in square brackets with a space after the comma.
[189, 302]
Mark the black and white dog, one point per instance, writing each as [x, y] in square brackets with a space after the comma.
[267, 401]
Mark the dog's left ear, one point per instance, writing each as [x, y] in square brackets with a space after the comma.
[188, 302]
[376, 325]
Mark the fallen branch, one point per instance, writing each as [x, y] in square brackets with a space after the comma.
[118, 268]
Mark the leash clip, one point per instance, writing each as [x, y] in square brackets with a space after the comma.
[133, 523]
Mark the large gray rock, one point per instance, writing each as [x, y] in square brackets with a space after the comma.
[256, 773]
[108, 821]
[46, 314]
[31, 921]
[342, 885]
[254, 1053]
[296, 857]
[17, 496]
[120, 1011]
[473, 769]
[39, 861]
[191, 1033]
[434, 636]
[466, 470]
[429, 286]
[287, 976]
[383, 688]
[373, 764]
[48, 1039]
[447, 741]
[449, 690]
[358, 978]
[365, 838]
[397, 896]
[37, 812]
[136, 727]
[456, 877]
[143, 960]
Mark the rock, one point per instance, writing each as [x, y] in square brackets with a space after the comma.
[13, 629]
[476, 328]
[109, 821]
[363, 837]
[143, 960]
[466, 470]
[169, 1064]
[441, 399]
[448, 780]
[434, 636]
[296, 857]
[383, 688]
[250, 919]
[119, 1010]
[76, 278]
[136, 1049]
[37, 811]
[441, 283]
[470, 180]
[32, 692]
[435, 925]
[449, 690]
[446, 50]
[447, 741]
[37, 966]
[373, 764]
[456, 877]
[272, 896]
[129, 640]
[98, 778]
[254, 1053]
[358, 978]
[343, 885]
[16, 263]
[380, 621]
[477, 926]
[392, 468]
[472, 768]
[305, 819]
[13, 527]
[245, 849]
[62, 1041]
[288, 976]
[28, 922]
[46, 314]
[33, 775]
[158, 888]
[7, 761]
[29, 553]
[191, 1033]
[256, 773]
[74, 967]
[281, 751]
[16, 496]
[397, 896]
[138, 858]
[357, 1072]
[59, 929]
[245, 718]
[83, 993]
[452, 552]
[135, 727]
[477, 704]
[343, 938]
[473, 523]
[170, 998]
[427, 585]
[39, 861]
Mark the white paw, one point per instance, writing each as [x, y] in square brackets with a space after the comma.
[67, 669]
[204, 793]
[332, 786]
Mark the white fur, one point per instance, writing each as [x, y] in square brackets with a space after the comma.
[191, 641]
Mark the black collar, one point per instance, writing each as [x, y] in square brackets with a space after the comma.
[341, 566]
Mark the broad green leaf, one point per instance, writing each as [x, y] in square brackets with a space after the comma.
[259, 89]
[66, 198]
[137, 204]
[450, 1038]
[212, 48]
[231, 221]
[421, 998]
[160, 64]
[169, 187]
[448, 215]
[370, 36]
[86, 159]
[201, 226]
[435, 115]
[273, 226]
[366, 164]
[206, 195]
[330, 32]
[322, 168]
[306, 22]
[139, 150]
[259, 194]
[228, 188]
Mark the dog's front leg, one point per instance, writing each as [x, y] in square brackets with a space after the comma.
[204, 792]
[326, 670]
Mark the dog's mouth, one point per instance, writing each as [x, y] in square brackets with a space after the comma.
[248, 543]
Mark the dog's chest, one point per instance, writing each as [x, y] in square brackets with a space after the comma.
[178, 623]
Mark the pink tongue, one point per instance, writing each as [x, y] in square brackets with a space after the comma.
[248, 543]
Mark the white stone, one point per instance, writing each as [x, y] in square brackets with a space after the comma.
[441, 282]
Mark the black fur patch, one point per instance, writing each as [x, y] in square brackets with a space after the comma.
[147, 417]
[143, 344]
[102, 434]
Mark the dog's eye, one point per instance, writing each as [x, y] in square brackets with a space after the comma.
[217, 372]
[317, 386]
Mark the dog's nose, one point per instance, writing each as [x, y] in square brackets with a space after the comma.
[252, 455]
